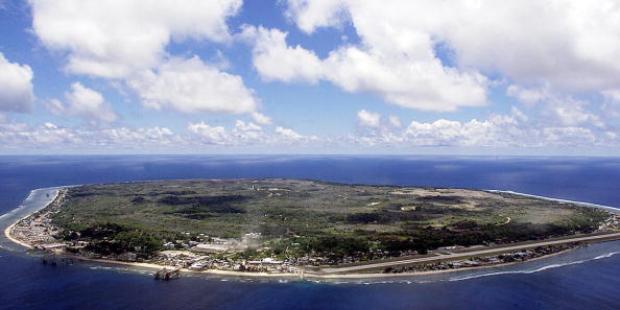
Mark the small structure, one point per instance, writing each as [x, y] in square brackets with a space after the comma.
[271, 261]
[168, 246]
[50, 246]
[167, 274]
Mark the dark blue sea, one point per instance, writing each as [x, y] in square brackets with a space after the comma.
[588, 278]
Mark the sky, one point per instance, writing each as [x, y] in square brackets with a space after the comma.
[466, 77]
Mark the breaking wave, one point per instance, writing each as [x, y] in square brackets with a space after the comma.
[530, 271]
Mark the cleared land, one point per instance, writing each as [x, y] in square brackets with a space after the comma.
[303, 222]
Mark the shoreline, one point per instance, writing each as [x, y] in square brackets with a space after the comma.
[7, 234]
[308, 276]
[305, 275]
[8, 230]
[560, 200]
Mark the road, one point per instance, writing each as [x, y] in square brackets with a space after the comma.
[454, 256]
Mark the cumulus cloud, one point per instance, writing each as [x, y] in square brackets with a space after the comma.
[190, 85]
[496, 131]
[566, 44]
[570, 136]
[508, 130]
[528, 95]
[573, 112]
[274, 60]
[369, 119]
[288, 135]
[20, 134]
[403, 77]
[261, 118]
[114, 38]
[564, 110]
[248, 133]
[209, 134]
[130, 46]
[310, 15]
[83, 102]
[124, 136]
[245, 134]
[50, 136]
[16, 93]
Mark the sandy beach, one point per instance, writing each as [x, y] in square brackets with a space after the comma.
[7, 233]
[305, 275]
[8, 230]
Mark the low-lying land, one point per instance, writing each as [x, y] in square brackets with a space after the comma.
[297, 226]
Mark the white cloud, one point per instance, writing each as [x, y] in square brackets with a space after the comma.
[210, 134]
[49, 136]
[274, 60]
[496, 131]
[248, 133]
[571, 136]
[563, 110]
[395, 121]
[116, 37]
[136, 137]
[518, 114]
[13, 135]
[126, 40]
[573, 112]
[373, 130]
[558, 48]
[509, 130]
[612, 94]
[568, 45]
[288, 135]
[369, 119]
[190, 85]
[527, 95]
[15, 86]
[310, 15]
[261, 118]
[414, 80]
[83, 102]
[404, 80]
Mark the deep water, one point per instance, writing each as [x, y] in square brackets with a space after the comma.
[588, 278]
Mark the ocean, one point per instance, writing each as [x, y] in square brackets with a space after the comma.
[587, 278]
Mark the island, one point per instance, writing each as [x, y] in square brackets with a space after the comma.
[305, 228]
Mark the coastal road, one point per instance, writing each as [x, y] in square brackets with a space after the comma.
[454, 256]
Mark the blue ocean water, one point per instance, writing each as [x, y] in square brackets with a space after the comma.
[588, 278]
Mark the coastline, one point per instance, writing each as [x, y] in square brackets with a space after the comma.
[8, 230]
[307, 276]
[560, 200]
[310, 275]
[7, 234]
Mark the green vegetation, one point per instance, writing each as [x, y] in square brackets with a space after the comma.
[297, 218]
[114, 239]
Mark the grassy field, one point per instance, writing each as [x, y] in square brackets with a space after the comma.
[297, 217]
